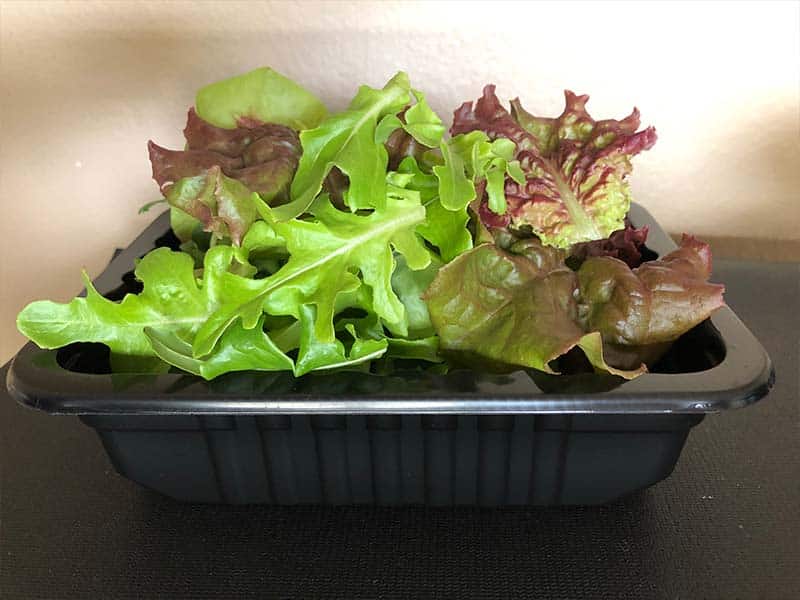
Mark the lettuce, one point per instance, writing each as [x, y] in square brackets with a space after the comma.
[626, 244]
[260, 96]
[575, 187]
[325, 255]
[419, 130]
[209, 183]
[656, 302]
[367, 238]
[223, 205]
[504, 308]
[422, 123]
[172, 300]
[443, 228]
[263, 158]
[275, 289]
[239, 349]
[528, 309]
[351, 141]
[467, 163]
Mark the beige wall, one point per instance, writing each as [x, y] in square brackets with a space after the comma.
[84, 85]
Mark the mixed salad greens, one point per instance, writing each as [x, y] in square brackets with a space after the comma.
[368, 237]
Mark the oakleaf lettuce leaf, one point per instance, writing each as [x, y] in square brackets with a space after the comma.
[575, 168]
[469, 163]
[260, 96]
[419, 130]
[445, 229]
[421, 343]
[471, 159]
[422, 123]
[456, 189]
[323, 354]
[334, 253]
[172, 299]
[490, 162]
[239, 349]
[352, 141]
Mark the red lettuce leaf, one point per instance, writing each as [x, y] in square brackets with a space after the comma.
[223, 205]
[262, 156]
[201, 135]
[492, 307]
[170, 166]
[654, 303]
[626, 244]
[525, 307]
[575, 167]
[400, 144]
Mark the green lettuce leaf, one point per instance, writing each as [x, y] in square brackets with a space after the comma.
[239, 349]
[351, 141]
[183, 225]
[417, 348]
[332, 254]
[491, 161]
[260, 96]
[321, 354]
[422, 123]
[171, 299]
[265, 249]
[445, 229]
[409, 285]
[469, 162]
[456, 190]
[423, 343]
[171, 308]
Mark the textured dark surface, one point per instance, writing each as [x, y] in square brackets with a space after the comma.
[726, 524]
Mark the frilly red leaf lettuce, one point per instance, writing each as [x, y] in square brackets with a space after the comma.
[575, 167]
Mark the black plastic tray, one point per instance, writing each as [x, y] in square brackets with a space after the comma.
[405, 438]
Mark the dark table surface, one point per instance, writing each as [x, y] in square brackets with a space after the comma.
[726, 524]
